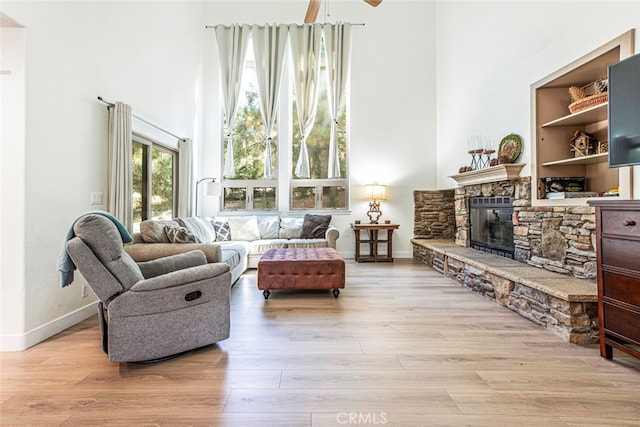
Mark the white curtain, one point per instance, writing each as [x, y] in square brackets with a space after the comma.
[232, 49]
[120, 170]
[185, 178]
[269, 44]
[338, 49]
[305, 42]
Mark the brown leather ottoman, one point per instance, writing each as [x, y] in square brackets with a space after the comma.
[301, 268]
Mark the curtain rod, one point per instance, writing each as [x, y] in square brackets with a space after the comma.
[299, 25]
[111, 104]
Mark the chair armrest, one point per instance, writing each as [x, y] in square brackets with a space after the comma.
[141, 252]
[181, 277]
[332, 235]
[171, 263]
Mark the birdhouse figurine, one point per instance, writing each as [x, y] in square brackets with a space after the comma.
[583, 143]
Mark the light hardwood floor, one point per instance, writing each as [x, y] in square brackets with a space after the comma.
[402, 346]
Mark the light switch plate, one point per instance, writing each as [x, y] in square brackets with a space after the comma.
[97, 198]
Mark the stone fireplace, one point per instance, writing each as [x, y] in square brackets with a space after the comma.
[553, 248]
[488, 200]
[491, 225]
[555, 238]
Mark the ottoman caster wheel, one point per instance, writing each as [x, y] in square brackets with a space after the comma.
[266, 294]
[336, 292]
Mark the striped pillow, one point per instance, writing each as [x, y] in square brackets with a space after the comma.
[180, 235]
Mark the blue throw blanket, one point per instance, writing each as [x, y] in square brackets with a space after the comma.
[65, 264]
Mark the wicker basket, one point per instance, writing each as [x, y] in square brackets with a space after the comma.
[588, 102]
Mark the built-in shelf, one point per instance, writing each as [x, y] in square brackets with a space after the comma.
[594, 114]
[583, 160]
[554, 128]
[505, 172]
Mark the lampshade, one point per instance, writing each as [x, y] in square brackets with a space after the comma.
[212, 188]
[375, 191]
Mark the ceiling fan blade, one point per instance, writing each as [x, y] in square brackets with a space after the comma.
[312, 11]
[373, 3]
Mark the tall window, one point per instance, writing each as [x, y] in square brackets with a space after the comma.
[154, 181]
[319, 192]
[248, 189]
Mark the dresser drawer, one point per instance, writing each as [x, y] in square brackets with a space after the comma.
[621, 253]
[621, 222]
[622, 322]
[622, 288]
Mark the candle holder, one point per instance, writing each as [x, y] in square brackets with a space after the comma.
[487, 161]
[476, 158]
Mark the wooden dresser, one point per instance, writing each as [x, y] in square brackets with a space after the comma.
[618, 249]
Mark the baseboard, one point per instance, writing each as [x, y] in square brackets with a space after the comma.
[41, 333]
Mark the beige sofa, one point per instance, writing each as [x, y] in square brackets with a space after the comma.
[238, 240]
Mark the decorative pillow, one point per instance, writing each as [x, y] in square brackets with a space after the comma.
[314, 226]
[290, 228]
[201, 227]
[221, 226]
[152, 230]
[244, 228]
[269, 226]
[180, 235]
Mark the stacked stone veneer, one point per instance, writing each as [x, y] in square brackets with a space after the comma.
[559, 239]
[434, 214]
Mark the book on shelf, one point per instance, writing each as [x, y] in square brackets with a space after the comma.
[571, 194]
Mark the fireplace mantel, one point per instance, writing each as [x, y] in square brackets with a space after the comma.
[505, 172]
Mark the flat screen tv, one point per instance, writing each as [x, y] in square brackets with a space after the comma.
[624, 112]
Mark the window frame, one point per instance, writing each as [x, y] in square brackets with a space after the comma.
[284, 181]
[249, 185]
[148, 145]
[319, 185]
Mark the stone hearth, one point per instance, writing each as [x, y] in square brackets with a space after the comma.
[551, 281]
[566, 306]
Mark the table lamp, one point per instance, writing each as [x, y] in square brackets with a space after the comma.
[375, 192]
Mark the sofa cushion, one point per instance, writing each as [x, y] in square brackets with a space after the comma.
[290, 228]
[263, 245]
[152, 230]
[221, 226]
[233, 252]
[307, 243]
[269, 226]
[315, 226]
[244, 228]
[180, 235]
[200, 227]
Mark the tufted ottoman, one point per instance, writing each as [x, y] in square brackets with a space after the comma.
[301, 268]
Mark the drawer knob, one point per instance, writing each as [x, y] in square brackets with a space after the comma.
[629, 223]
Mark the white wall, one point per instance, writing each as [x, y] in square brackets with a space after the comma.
[12, 183]
[147, 54]
[489, 54]
[392, 134]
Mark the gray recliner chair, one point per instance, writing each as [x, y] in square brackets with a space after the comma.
[152, 310]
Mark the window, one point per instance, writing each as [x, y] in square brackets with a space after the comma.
[319, 192]
[248, 189]
[154, 181]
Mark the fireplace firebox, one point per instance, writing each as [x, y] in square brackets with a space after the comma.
[491, 228]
